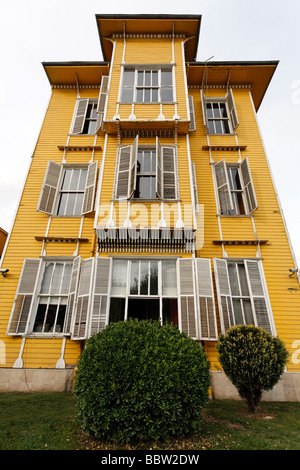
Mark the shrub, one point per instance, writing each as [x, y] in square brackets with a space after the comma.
[139, 380]
[253, 360]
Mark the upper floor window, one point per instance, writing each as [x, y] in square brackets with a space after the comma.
[85, 117]
[72, 191]
[219, 114]
[149, 85]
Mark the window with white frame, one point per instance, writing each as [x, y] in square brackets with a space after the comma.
[234, 188]
[146, 174]
[219, 114]
[71, 192]
[147, 85]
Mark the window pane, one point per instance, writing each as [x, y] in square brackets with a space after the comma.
[167, 94]
[62, 204]
[170, 311]
[144, 278]
[56, 279]
[153, 278]
[147, 78]
[166, 77]
[147, 156]
[223, 111]
[218, 127]
[139, 95]
[154, 78]
[40, 316]
[128, 77]
[82, 179]
[119, 276]
[248, 312]
[147, 95]
[145, 192]
[116, 310]
[127, 94]
[74, 179]
[66, 179]
[60, 319]
[140, 80]
[225, 127]
[94, 111]
[45, 287]
[154, 95]
[78, 205]
[143, 309]
[233, 279]
[50, 318]
[169, 285]
[243, 280]
[154, 161]
[238, 312]
[92, 127]
[66, 279]
[209, 110]
[211, 127]
[216, 111]
[134, 278]
[70, 204]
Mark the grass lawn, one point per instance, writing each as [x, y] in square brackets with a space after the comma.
[48, 421]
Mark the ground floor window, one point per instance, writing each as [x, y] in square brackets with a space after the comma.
[145, 289]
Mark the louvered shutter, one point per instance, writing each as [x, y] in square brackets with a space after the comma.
[232, 110]
[100, 295]
[248, 186]
[223, 188]
[187, 299]
[195, 189]
[82, 308]
[72, 294]
[203, 104]
[205, 295]
[23, 302]
[192, 124]
[169, 169]
[258, 298]
[49, 188]
[223, 294]
[90, 188]
[159, 172]
[124, 154]
[133, 167]
[80, 115]
[102, 95]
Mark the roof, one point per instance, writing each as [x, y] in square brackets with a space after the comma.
[188, 25]
[68, 73]
[256, 74]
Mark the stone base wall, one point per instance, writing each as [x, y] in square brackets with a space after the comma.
[61, 380]
[287, 389]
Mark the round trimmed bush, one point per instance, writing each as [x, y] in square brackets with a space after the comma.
[139, 380]
[253, 360]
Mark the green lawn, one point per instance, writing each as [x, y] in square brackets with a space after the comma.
[48, 421]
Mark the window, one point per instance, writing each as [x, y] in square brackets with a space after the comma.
[68, 191]
[242, 295]
[72, 192]
[219, 114]
[146, 172]
[53, 298]
[147, 86]
[234, 188]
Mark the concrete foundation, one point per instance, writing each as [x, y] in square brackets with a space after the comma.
[61, 380]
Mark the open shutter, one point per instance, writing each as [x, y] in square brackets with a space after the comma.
[187, 305]
[248, 186]
[100, 295]
[192, 125]
[203, 104]
[124, 154]
[102, 95]
[257, 291]
[72, 294]
[82, 308]
[205, 295]
[24, 297]
[232, 110]
[49, 188]
[133, 167]
[223, 188]
[195, 189]
[80, 114]
[223, 294]
[169, 169]
[159, 172]
[90, 188]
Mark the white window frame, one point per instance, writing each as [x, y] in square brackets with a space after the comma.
[232, 117]
[82, 116]
[150, 68]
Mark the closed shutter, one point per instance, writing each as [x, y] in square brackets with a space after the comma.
[72, 294]
[90, 188]
[248, 186]
[24, 297]
[258, 298]
[100, 295]
[195, 189]
[206, 305]
[133, 167]
[223, 188]
[124, 154]
[232, 110]
[192, 125]
[223, 294]
[49, 188]
[159, 171]
[102, 95]
[82, 308]
[203, 104]
[187, 304]
[80, 115]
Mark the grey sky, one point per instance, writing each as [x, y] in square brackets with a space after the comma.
[32, 31]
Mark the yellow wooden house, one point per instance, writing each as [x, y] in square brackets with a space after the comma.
[149, 196]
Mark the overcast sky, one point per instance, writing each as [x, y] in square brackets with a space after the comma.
[33, 31]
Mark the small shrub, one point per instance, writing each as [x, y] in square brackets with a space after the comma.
[139, 380]
[253, 360]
